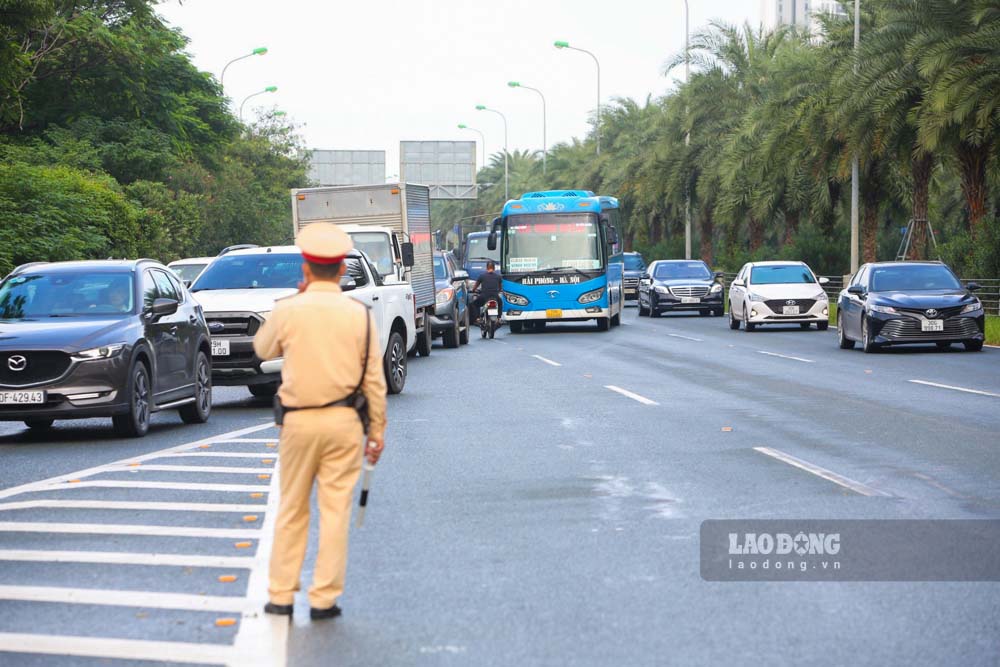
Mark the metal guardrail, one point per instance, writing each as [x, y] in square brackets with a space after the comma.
[989, 294]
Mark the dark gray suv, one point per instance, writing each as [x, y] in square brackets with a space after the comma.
[119, 339]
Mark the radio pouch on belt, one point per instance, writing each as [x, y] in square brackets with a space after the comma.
[356, 399]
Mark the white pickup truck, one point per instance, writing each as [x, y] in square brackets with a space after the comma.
[238, 291]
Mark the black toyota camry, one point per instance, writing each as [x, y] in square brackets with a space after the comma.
[898, 303]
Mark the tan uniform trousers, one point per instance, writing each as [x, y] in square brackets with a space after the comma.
[324, 445]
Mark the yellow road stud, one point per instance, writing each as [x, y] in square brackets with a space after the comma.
[727, 429]
[272, 445]
[244, 545]
[263, 477]
[204, 446]
[267, 461]
[256, 495]
[225, 622]
[250, 518]
[227, 578]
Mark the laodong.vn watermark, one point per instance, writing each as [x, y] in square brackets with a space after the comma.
[850, 550]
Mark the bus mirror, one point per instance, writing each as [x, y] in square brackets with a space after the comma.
[612, 236]
[491, 241]
[407, 251]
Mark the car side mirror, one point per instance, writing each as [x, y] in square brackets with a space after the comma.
[162, 307]
[738, 283]
[347, 283]
[719, 275]
[187, 283]
[460, 275]
[823, 280]
[646, 280]
[973, 287]
[406, 250]
[856, 290]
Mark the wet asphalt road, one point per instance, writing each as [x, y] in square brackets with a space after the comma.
[525, 512]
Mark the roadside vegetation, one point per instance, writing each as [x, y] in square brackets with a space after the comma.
[113, 144]
[774, 119]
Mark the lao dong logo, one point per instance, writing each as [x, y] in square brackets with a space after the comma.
[783, 544]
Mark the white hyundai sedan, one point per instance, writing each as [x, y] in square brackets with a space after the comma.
[778, 293]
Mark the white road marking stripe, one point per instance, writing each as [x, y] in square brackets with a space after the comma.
[125, 529]
[828, 475]
[108, 647]
[131, 505]
[103, 596]
[629, 394]
[963, 389]
[785, 356]
[548, 361]
[262, 638]
[166, 486]
[182, 468]
[697, 340]
[125, 558]
[269, 454]
[41, 484]
[266, 440]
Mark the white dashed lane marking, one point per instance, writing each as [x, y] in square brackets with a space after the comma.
[696, 340]
[962, 389]
[125, 558]
[547, 361]
[785, 356]
[819, 471]
[131, 505]
[632, 395]
[100, 647]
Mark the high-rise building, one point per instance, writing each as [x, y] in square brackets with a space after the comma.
[800, 13]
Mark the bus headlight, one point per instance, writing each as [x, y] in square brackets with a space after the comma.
[591, 296]
[515, 299]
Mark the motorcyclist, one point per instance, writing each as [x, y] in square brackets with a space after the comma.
[487, 287]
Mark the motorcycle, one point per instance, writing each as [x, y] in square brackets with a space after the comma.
[489, 318]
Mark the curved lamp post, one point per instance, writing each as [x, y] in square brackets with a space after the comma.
[565, 45]
[259, 51]
[269, 89]
[506, 177]
[463, 126]
[545, 148]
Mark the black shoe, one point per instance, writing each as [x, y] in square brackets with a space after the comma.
[278, 609]
[319, 614]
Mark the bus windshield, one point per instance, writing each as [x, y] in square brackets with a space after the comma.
[552, 242]
[476, 250]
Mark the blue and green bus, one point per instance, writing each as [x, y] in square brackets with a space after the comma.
[561, 259]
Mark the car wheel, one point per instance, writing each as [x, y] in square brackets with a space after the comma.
[263, 390]
[804, 325]
[39, 424]
[424, 340]
[718, 312]
[643, 311]
[866, 339]
[616, 320]
[394, 363]
[748, 326]
[135, 423]
[450, 337]
[199, 411]
[463, 337]
[973, 345]
[516, 327]
[845, 342]
[943, 345]
[734, 323]
[822, 326]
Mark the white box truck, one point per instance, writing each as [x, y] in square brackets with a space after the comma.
[391, 224]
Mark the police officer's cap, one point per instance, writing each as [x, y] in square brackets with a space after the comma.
[323, 243]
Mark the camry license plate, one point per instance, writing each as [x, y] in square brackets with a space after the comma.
[22, 397]
[932, 325]
[790, 310]
[220, 348]
[553, 313]
[690, 299]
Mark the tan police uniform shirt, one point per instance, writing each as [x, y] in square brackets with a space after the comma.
[321, 335]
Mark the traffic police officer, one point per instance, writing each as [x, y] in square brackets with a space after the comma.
[321, 333]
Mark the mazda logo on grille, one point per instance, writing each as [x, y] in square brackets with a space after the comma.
[552, 293]
[216, 327]
[790, 302]
[932, 313]
[17, 362]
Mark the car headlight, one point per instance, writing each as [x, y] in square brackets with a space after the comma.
[445, 295]
[716, 288]
[885, 310]
[755, 297]
[591, 296]
[972, 307]
[515, 299]
[821, 297]
[662, 290]
[104, 352]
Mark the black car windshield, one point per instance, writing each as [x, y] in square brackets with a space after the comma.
[440, 273]
[634, 263]
[187, 271]
[66, 294]
[476, 250]
[782, 274]
[256, 271]
[913, 277]
[681, 270]
[543, 242]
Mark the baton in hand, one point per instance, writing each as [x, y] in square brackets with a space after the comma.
[366, 481]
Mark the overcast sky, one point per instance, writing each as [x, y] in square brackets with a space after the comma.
[365, 74]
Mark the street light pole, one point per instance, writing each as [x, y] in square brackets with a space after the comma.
[565, 45]
[687, 136]
[855, 168]
[506, 174]
[269, 89]
[463, 126]
[545, 141]
[259, 51]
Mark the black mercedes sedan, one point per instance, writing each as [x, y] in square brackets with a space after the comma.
[119, 339]
[899, 303]
[680, 284]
